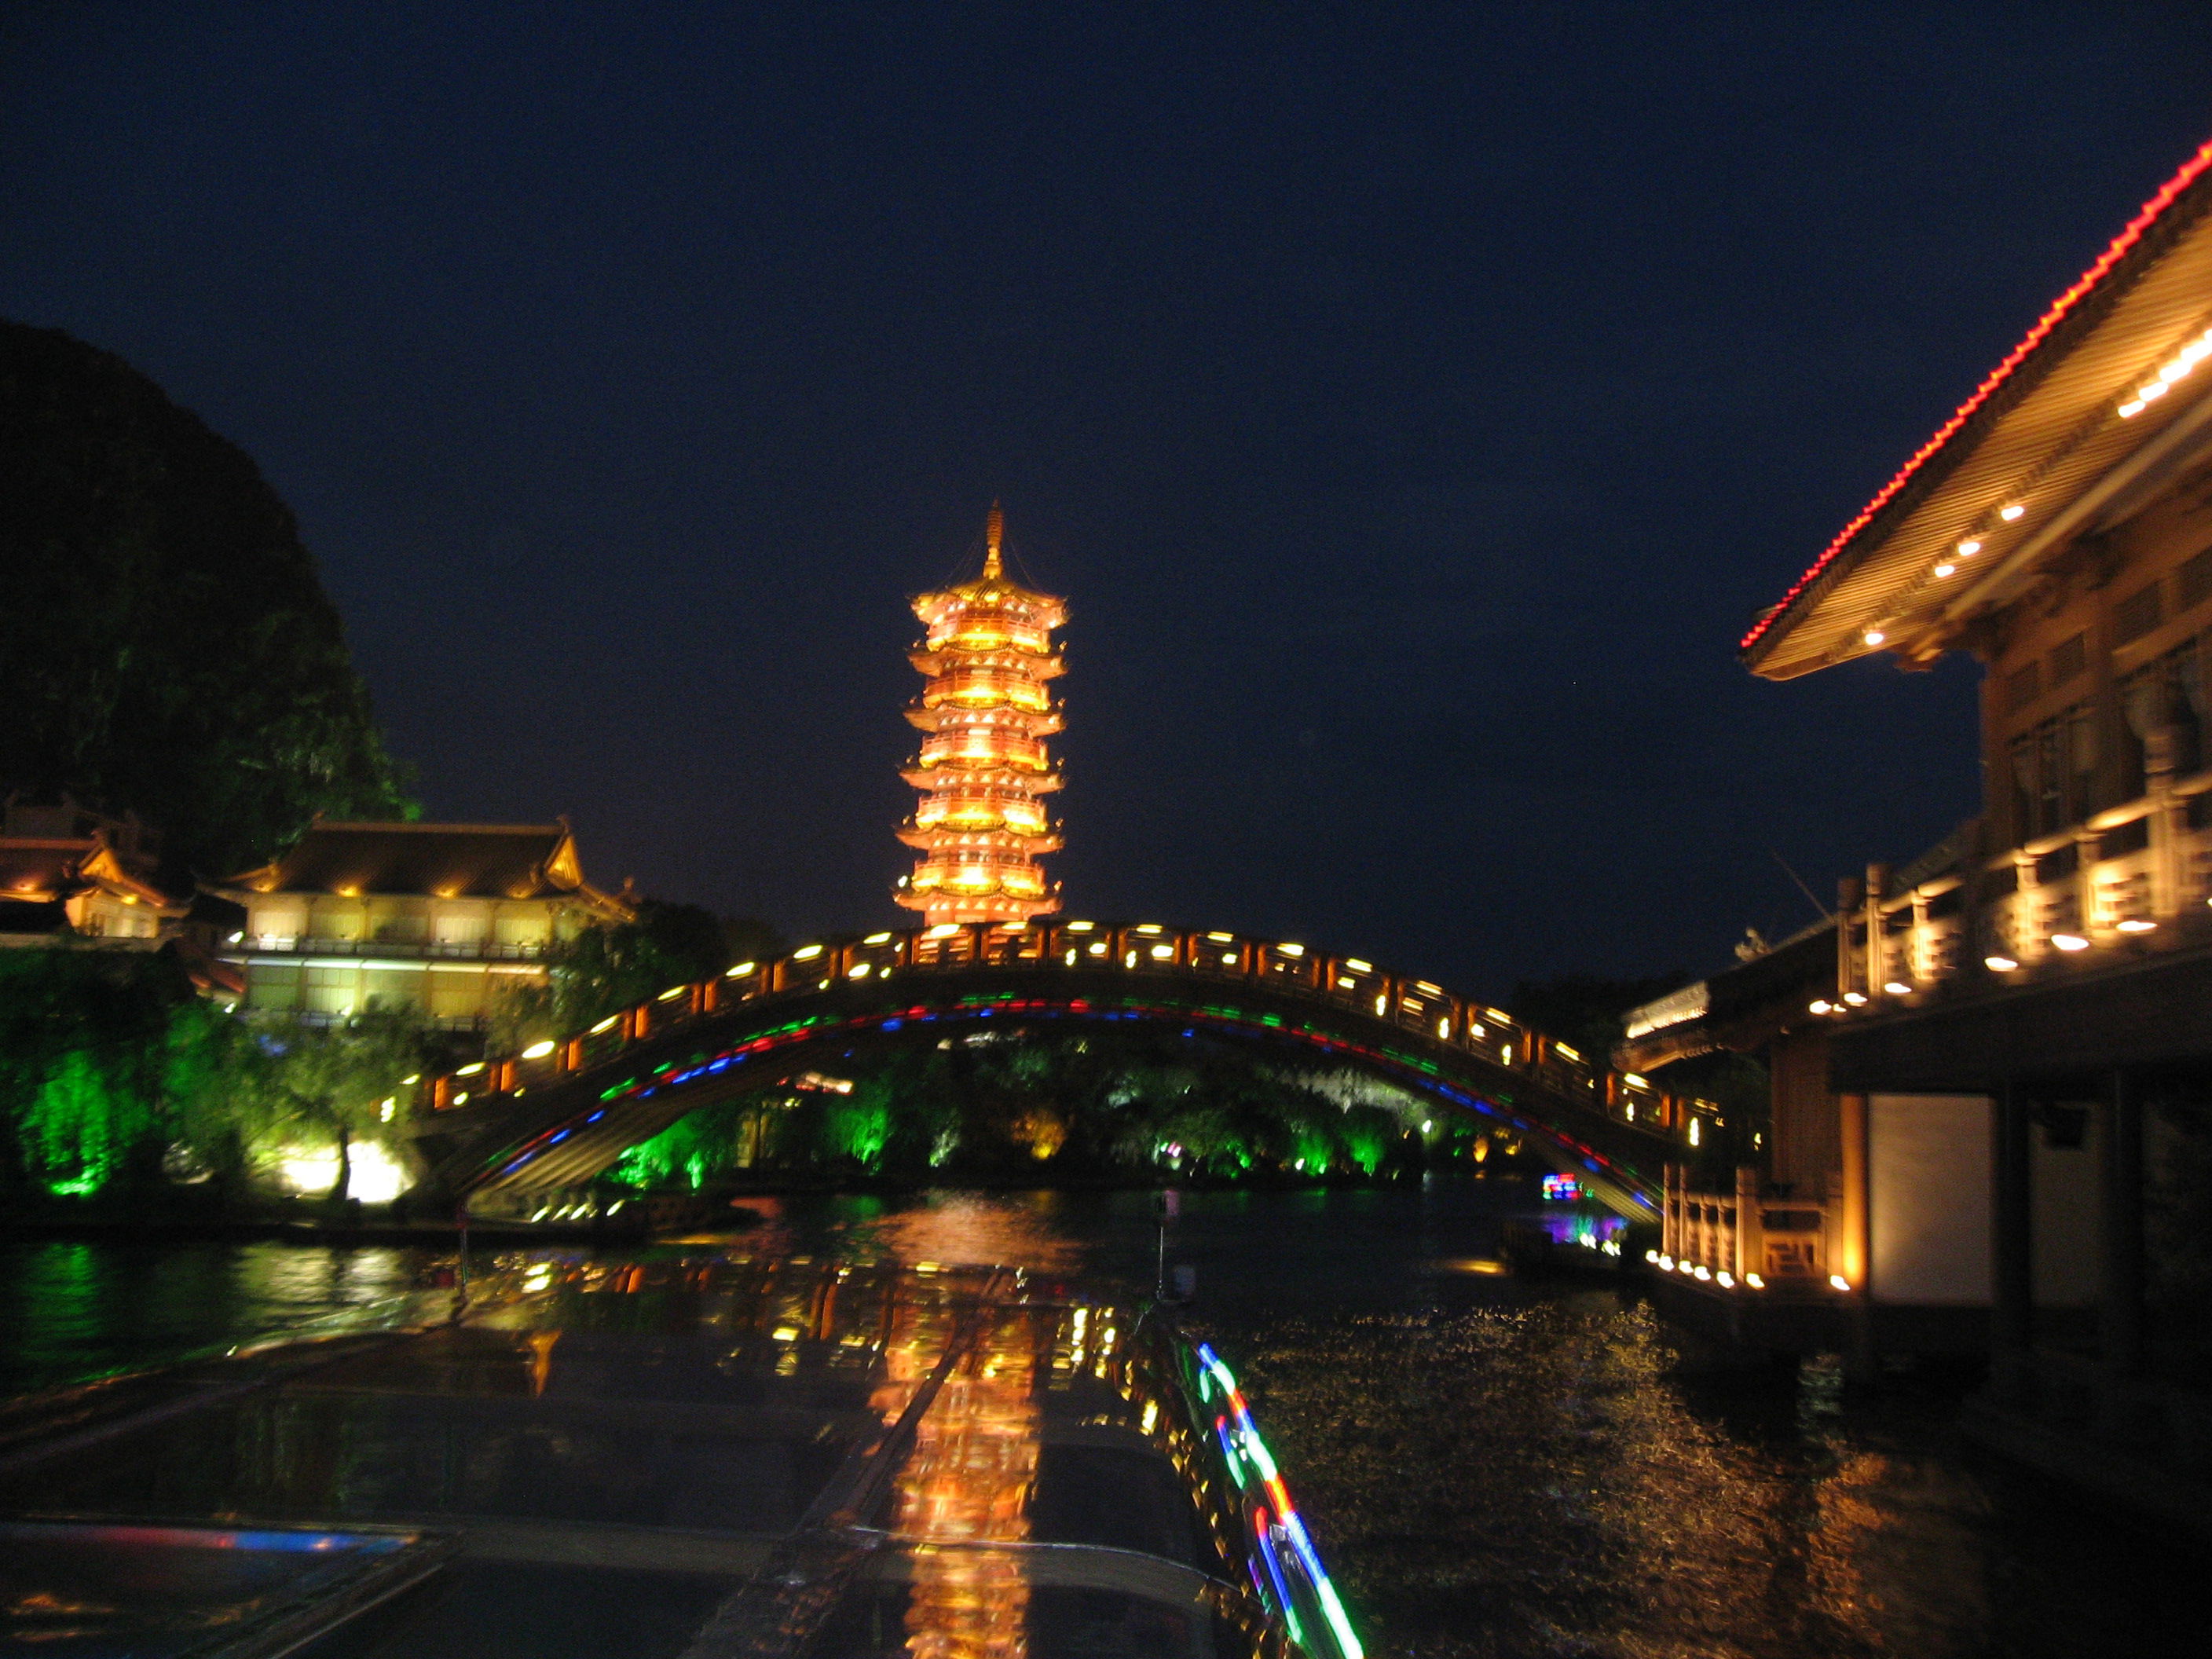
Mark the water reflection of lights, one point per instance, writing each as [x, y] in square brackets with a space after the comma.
[968, 1482]
[949, 1230]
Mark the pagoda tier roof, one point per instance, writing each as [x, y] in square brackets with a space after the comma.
[1030, 723]
[937, 661]
[941, 694]
[975, 787]
[2055, 442]
[994, 594]
[967, 895]
[992, 590]
[948, 775]
[1036, 843]
[988, 907]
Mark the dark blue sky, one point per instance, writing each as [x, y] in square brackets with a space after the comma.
[1415, 403]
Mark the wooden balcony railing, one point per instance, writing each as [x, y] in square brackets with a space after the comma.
[2126, 882]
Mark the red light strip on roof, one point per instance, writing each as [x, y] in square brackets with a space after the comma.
[2065, 303]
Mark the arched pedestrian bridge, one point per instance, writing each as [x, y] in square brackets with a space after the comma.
[560, 1112]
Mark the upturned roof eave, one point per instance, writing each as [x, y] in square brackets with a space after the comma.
[2178, 207]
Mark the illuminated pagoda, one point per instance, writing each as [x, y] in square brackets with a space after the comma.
[980, 824]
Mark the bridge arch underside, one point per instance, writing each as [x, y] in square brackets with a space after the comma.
[564, 1135]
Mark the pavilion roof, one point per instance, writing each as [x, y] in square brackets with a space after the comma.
[445, 860]
[42, 869]
[2042, 434]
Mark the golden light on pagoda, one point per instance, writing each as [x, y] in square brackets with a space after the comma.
[981, 826]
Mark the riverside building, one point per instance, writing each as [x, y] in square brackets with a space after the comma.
[70, 875]
[2012, 1036]
[983, 770]
[437, 917]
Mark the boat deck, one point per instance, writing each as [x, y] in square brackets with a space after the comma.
[698, 1457]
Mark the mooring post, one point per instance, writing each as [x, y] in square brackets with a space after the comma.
[1170, 1206]
[461, 1277]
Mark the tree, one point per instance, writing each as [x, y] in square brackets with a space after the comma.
[101, 1055]
[166, 645]
[326, 1085]
[605, 968]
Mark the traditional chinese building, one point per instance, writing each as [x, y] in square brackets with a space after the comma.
[2015, 1031]
[984, 769]
[68, 874]
[439, 917]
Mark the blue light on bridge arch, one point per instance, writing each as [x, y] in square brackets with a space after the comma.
[1251, 1023]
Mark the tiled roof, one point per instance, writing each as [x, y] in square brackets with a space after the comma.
[38, 866]
[2073, 315]
[35, 869]
[449, 860]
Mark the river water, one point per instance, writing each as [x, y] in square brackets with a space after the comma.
[1493, 1466]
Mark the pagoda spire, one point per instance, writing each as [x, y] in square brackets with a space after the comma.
[981, 827]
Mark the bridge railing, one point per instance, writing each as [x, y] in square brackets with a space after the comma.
[1139, 949]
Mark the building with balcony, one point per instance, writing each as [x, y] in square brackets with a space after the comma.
[2018, 1031]
[438, 917]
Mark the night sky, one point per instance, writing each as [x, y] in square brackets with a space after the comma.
[1415, 405]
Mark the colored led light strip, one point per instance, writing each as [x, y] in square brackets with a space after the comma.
[986, 1003]
[2073, 296]
[1247, 1438]
[1431, 1075]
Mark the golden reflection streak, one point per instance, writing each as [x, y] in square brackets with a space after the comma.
[967, 1482]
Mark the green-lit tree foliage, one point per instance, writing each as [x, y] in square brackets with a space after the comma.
[686, 1153]
[115, 1077]
[1053, 1105]
[166, 645]
[107, 1060]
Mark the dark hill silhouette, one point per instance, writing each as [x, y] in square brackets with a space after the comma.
[166, 645]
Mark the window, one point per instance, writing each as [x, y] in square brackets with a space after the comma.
[2136, 615]
[2163, 703]
[335, 918]
[277, 921]
[2023, 686]
[399, 921]
[2067, 658]
[2054, 773]
[460, 927]
[457, 996]
[2195, 581]
[385, 988]
[330, 990]
[521, 927]
[272, 985]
